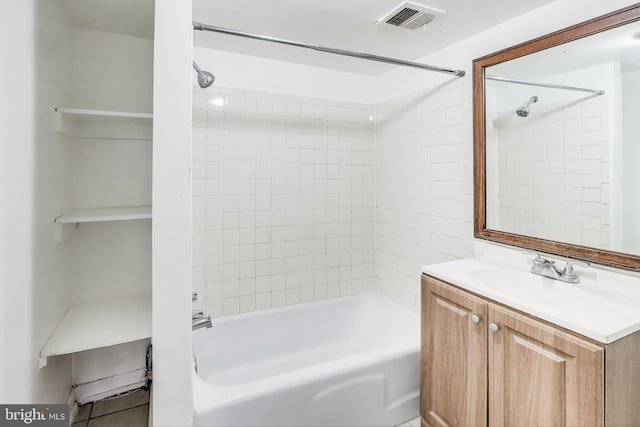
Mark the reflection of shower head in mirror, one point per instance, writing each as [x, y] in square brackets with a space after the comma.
[524, 110]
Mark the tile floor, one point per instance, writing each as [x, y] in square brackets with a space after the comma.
[411, 423]
[126, 410]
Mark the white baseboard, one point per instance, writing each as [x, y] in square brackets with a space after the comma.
[111, 386]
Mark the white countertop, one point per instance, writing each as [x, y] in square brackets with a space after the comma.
[604, 306]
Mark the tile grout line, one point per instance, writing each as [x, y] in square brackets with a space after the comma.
[121, 410]
[121, 396]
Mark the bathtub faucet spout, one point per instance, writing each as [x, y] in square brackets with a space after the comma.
[199, 321]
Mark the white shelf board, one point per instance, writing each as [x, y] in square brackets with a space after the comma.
[104, 214]
[103, 113]
[101, 323]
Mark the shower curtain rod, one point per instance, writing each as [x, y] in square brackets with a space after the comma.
[205, 27]
[549, 85]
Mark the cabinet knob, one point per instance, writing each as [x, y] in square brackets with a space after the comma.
[475, 318]
[493, 327]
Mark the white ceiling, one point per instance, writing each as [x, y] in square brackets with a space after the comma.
[347, 24]
[344, 24]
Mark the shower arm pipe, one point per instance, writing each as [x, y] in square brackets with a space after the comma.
[549, 85]
[205, 27]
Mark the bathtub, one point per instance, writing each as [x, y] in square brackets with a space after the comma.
[351, 361]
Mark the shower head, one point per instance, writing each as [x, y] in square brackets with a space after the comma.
[524, 110]
[205, 78]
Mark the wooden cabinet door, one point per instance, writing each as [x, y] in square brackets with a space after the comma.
[454, 356]
[541, 376]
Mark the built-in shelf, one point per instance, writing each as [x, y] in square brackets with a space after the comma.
[102, 113]
[101, 323]
[105, 214]
[102, 124]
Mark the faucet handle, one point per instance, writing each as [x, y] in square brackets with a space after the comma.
[568, 274]
[538, 261]
[568, 267]
[540, 264]
[534, 253]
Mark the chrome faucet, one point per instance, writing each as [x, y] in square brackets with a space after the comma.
[547, 268]
[198, 319]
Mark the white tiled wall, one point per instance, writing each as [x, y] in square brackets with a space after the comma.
[283, 199]
[553, 178]
[424, 188]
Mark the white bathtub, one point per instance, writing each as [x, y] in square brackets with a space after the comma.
[350, 361]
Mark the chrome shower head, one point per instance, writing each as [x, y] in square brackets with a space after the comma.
[524, 110]
[205, 78]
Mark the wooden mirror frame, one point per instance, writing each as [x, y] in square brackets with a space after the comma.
[585, 29]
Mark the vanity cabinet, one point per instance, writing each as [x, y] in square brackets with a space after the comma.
[486, 364]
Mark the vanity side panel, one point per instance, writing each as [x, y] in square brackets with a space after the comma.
[622, 382]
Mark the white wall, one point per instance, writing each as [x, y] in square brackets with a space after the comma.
[36, 187]
[282, 199]
[423, 201]
[236, 71]
[171, 265]
[112, 71]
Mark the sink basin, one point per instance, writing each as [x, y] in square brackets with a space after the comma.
[508, 278]
[604, 306]
[537, 286]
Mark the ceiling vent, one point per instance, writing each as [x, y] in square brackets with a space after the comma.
[411, 15]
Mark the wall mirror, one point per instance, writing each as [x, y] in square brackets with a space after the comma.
[557, 142]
